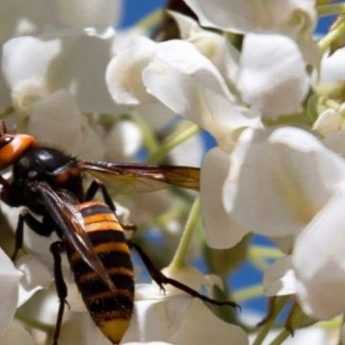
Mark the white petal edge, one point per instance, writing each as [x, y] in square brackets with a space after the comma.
[220, 230]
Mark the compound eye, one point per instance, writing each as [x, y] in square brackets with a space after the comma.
[4, 140]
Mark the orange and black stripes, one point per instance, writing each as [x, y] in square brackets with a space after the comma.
[111, 310]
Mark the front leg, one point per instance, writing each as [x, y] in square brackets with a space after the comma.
[37, 226]
[57, 248]
[161, 280]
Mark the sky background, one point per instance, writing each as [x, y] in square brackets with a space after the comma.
[136, 9]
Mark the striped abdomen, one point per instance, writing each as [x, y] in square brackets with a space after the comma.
[111, 310]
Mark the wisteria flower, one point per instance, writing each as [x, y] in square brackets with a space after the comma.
[318, 262]
[270, 187]
[58, 67]
[51, 92]
[35, 17]
[177, 75]
[213, 45]
[254, 16]
[19, 285]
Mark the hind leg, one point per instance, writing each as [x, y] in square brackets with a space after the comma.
[161, 280]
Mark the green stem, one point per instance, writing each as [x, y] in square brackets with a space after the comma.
[174, 213]
[248, 293]
[337, 33]
[331, 9]
[264, 330]
[150, 140]
[281, 337]
[287, 120]
[151, 20]
[267, 326]
[179, 259]
[175, 139]
[258, 251]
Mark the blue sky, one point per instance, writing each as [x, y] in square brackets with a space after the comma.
[135, 9]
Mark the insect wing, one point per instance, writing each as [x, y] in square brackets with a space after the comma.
[125, 178]
[72, 225]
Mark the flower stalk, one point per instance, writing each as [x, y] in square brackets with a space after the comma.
[268, 325]
[337, 33]
[331, 9]
[176, 138]
[179, 259]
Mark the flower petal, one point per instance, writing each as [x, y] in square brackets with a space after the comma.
[217, 331]
[256, 15]
[26, 77]
[271, 184]
[279, 278]
[90, 13]
[221, 230]
[333, 67]
[16, 334]
[123, 141]
[318, 260]
[10, 278]
[55, 64]
[36, 277]
[30, 17]
[124, 72]
[264, 57]
[190, 85]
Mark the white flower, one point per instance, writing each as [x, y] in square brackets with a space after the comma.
[328, 122]
[10, 278]
[333, 67]
[182, 79]
[272, 75]
[213, 45]
[221, 230]
[37, 17]
[123, 140]
[16, 334]
[124, 77]
[271, 184]
[187, 83]
[256, 15]
[50, 93]
[57, 122]
[36, 277]
[318, 260]
[279, 278]
[268, 185]
[54, 64]
[18, 285]
[293, 18]
[189, 153]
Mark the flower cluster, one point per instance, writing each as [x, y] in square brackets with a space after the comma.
[253, 76]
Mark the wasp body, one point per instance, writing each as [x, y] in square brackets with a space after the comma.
[49, 183]
[111, 310]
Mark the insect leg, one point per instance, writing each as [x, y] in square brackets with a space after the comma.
[56, 249]
[161, 279]
[91, 192]
[93, 189]
[39, 227]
